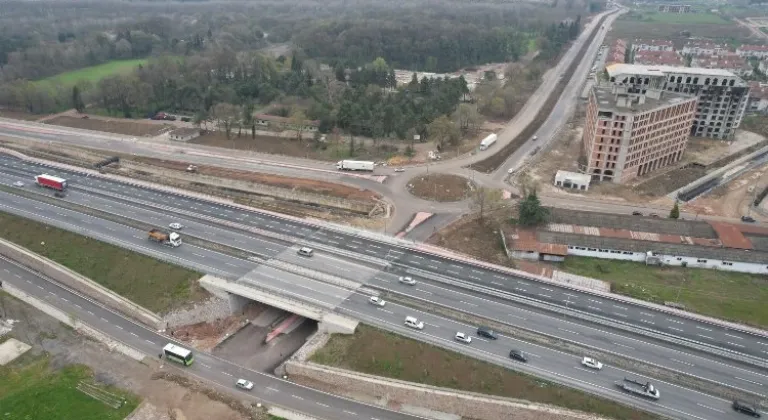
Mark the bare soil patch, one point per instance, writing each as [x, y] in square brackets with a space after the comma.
[298, 184]
[440, 187]
[19, 115]
[128, 128]
[476, 238]
[207, 335]
[734, 198]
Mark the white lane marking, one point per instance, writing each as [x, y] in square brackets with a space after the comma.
[467, 303]
[624, 345]
[134, 334]
[78, 306]
[548, 289]
[350, 412]
[495, 282]
[682, 362]
[647, 322]
[676, 329]
[710, 408]
[151, 342]
[734, 336]
[105, 320]
[546, 296]
[91, 313]
[747, 380]
[322, 405]
[273, 389]
[205, 366]
[228, 374]
[65, 299]
[594, 308]
[196, 254]
[620, 307]
[702, 328]
[621, 315]
[297, 397]
[734, 344]
[522, 290]
[705, 336]
[647, 314]
[568, 331]
[675, 321]
[119, 327]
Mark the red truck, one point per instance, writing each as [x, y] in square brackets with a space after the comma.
[50, 181]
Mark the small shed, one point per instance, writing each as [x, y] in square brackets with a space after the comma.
[184, 134]
[572, 180]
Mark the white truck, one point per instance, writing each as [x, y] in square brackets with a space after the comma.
[166, 238]
[488, 141]
[643, 389]
[355, 165]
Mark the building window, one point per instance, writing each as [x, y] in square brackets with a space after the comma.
[727, 263]
[701, 261]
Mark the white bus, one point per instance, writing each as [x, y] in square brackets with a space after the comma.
[178, 354]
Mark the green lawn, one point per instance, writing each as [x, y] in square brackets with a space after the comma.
[733, 296]
[156, 285]
[376, 352]
[94, 73]
[650, 15]
[34, 391]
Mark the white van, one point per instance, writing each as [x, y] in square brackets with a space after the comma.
[412, 322]
[305, 252]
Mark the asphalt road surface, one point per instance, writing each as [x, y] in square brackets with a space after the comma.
[675, 401]
[356, 305]
[634, 315]
[267, 389]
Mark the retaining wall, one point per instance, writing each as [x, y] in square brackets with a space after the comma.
[422, 399]
[80, 283]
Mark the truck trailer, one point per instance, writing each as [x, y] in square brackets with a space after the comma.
[355, 165]
[488, 141]
[50, 181]
[166, 238]
[643, 389]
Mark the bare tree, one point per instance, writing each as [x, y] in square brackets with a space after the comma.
[298, 121]
[485, 199]
[226, 116]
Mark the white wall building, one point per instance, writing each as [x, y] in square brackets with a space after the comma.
[572, 180]
[760, 51]
[703, 47]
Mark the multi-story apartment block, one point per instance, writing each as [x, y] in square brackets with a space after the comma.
[617, 52]
[704, 48]
[758, 98]
[722, 95]
[633, 129]
[653, 45]
[675, 8]
[759, 51]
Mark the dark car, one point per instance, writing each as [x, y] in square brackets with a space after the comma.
[517, 355]
[636, 213]
[745, 408]
[487, 333]
[748, 219]
[59, 194]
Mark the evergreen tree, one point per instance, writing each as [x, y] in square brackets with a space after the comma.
[77, 100]
[675, 212]
[531, 212]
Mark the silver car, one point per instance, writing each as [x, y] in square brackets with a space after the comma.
[407, 280]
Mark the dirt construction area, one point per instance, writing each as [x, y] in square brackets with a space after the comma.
[479, 239]
[118, 126]
[165, 393]
[298, 184]
[441, 187]
[734, 198]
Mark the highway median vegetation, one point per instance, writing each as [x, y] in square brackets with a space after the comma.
[31, 389]
[151, 283]
[737, 297]
[376, 352]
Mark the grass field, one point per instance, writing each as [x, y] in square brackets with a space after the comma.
[154, 284]
[650, 14]
[733, 296]
[94, 73]
[33, 391]
[375, 352]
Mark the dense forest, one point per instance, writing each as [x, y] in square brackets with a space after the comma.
[330, 61]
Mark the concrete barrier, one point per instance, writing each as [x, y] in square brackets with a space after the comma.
[424, 400]
[80, 283]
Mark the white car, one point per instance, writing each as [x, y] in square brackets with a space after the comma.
[243, 384]
[591, 363]
[176, 226]
[375, 300]
[399, 169]
[407, 280]
[18, 184]
[460, 336]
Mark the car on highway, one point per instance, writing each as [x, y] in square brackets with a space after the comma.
[18, 184]
[591, 363]
[243, 384]
[748, 219]
[176, 226]
[743, 407]
[460, 336]
[414, 323]
[399, 169]
[517, 355]
[535, 138]
[636, 213]
[375, 300]
[59, 194]
[654, 215]
[407, 280]
[487, 333]
[305, 251]
[511, 171]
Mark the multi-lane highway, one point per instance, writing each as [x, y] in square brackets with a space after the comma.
[268, 389]
[347, 302]
[406, 259]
